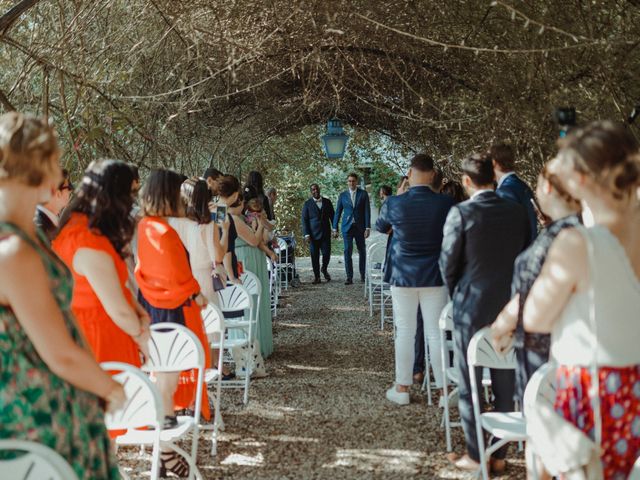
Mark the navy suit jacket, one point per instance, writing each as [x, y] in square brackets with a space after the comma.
[482, 238]
[317, 222]
[514, 189]
[417, 219]
[358, 214]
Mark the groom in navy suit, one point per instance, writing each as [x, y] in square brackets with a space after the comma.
[353, 206]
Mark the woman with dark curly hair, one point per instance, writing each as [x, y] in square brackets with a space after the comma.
[95, 231]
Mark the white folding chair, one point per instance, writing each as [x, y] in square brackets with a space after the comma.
[37, 461]
[273, 286]
[175, 348]
[252, 284]
[507, 426]
[143, 409]
[541, 389]
[370, 242]
[446, 347]
[236, 305]
[375, 262]
[214, 327]
[284, 262]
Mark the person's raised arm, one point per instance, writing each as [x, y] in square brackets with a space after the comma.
[382, 224]
[452, 252]
[24, 280]
[564, 272]
[246, 233]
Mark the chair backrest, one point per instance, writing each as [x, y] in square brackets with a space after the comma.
[213, 319]
[234, 299]
[635, 471]
[446, 317]
[482, 354]
[173, 348]
[541, 387]
[284, 249]
[143, 406]
[251, 283]
[376, 256]
[38, 462]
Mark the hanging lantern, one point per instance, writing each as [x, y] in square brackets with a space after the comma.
[335, 140]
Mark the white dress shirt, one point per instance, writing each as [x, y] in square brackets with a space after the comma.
[504, 177]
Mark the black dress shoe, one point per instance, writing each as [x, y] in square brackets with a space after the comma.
[316, 280]
[327, 277]
[348, 282]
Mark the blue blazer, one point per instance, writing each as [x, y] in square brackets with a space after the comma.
[514, 189]
[358, 214]
[317, 222]
[417, 219]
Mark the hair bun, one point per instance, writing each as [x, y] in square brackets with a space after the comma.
[628, 174]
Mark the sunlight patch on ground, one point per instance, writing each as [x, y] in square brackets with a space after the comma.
[244, 460]
[379, 460]
[294, 325]
[289, 438]
[307, 367]
[249, 443]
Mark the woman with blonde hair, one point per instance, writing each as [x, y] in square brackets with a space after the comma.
[50, 387]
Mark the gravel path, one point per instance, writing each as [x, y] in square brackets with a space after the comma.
[321, 412]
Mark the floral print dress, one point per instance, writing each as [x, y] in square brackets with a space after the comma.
[36, 404]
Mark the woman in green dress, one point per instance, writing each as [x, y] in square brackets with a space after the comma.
[50, 385]
[249, 250]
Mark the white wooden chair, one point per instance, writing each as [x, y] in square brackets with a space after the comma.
[375, 263]
[38, 462]
[446, 347]
[175, 348]
[252, 284]
[236, 305]
[214, 327]
[507, 426]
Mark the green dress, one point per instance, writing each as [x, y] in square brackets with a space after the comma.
[36, 404]
[254, 260]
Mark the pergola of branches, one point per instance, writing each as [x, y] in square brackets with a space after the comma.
[179, 82]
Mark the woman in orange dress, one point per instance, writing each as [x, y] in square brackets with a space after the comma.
[94, 234]
[167, 288]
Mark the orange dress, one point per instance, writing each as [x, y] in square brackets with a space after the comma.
[166, 288]
[108, 342]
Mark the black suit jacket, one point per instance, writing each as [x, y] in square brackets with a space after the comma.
[44, 223]
[482, 238]
[417, 219]
[317, 222]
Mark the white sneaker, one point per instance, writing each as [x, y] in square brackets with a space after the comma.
[401, 398]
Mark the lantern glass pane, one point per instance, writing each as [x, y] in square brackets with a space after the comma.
[335, 145]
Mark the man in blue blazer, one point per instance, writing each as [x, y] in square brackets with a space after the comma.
[353, 206]
[511, 187]
[416, 219]
[317, 215]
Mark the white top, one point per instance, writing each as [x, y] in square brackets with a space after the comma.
[198, 240]
[318, 202]
[617, 306]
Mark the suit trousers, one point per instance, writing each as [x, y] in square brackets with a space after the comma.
[502, 387]
[405, 313]
[316, 247]
[349, 236]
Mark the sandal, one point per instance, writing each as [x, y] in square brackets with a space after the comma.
[175, 463]
[170, 421]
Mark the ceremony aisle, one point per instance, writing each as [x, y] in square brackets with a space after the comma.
[321, 412]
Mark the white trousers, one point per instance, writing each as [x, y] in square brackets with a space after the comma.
[405, 313]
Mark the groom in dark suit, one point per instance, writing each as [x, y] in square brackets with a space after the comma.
[482, 238]
[317, 215]
[354, 208]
